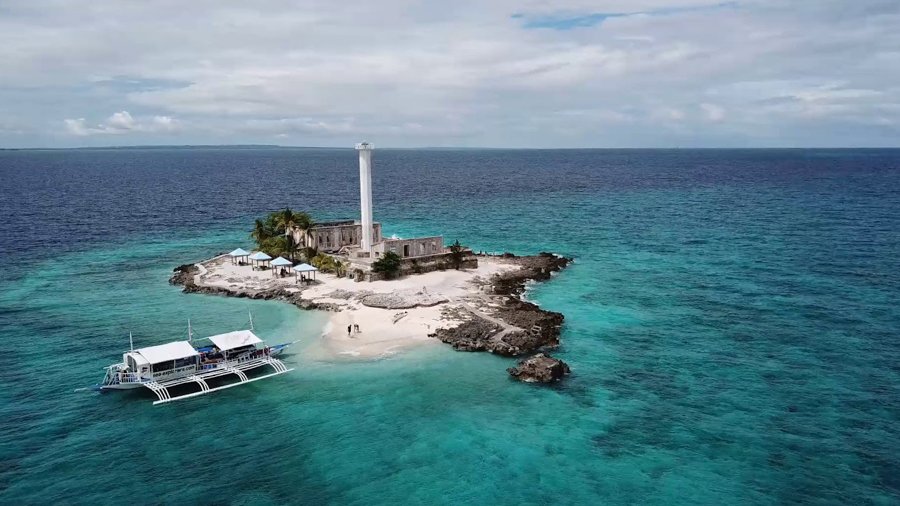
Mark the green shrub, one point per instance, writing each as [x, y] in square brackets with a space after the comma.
[388, 264]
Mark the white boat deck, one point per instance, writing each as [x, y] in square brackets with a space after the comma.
[235, 367]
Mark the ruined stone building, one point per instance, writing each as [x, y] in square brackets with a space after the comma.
[333, 236]
[360, 242]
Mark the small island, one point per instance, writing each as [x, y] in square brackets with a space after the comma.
[389, 294]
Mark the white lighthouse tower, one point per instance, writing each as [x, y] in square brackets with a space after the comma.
[365, 194]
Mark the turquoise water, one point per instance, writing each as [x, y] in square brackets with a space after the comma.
[731, 320]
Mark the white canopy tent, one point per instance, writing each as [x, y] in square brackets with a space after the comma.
[302, 268]
[236, 339]
[166, 352]
[238, 253]
[259, 256]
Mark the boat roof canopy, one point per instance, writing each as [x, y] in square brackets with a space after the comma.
[236, 339]
[165, 352]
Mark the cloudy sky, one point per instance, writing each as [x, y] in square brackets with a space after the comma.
[403, 73]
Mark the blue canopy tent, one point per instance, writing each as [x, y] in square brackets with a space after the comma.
[302, 268]
[238, 253]
[260, 257]
[280, 262]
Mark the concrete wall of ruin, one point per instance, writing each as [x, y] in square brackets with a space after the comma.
[331, 238]
[415, 247]
[420, 265]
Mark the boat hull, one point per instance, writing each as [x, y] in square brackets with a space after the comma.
[122, 386]
[278, 349]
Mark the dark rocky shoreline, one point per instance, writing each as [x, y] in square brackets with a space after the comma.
[539, 328]
[183, 275]
[538, 267]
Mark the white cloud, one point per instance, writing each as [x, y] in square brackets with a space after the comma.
[77, 127]
[121, 123]
[164, 124]
[406, 73]
[713, 112]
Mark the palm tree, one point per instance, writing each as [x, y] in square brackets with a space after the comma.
[279, 245]
[303, 223]
[286, 221]
[260, 233]
[283, 219]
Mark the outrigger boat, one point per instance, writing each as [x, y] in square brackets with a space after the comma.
[161, 367]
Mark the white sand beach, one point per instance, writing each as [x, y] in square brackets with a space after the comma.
[440, 299]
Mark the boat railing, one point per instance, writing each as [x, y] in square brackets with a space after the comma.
[115, 378]
[253, 355]
[211, 366]
[121, 377]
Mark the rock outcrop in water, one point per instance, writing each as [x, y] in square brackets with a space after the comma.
[539, 267]
[539, 368]
[184, 275]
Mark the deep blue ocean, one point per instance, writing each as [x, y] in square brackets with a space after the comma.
[732, 322]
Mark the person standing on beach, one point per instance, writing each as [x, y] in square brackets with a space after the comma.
[349, 328]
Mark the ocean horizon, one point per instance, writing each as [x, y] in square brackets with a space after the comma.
[731, 322]
[452, 148]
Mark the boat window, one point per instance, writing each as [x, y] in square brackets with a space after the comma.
[163, 366]
[183, 362]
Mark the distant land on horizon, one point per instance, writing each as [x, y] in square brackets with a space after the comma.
[432, 148]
